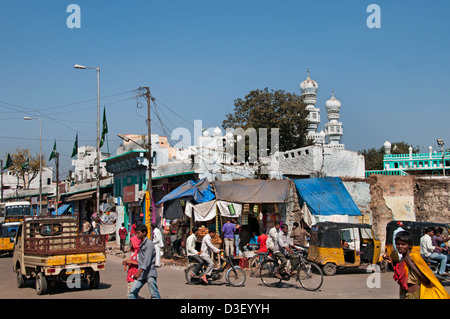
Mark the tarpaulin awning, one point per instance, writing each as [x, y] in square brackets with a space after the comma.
[252, 191]
[326, 196]
[62, 210]
[200, 192]
[80, 196]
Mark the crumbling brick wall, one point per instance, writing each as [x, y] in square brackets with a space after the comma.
[432, 199]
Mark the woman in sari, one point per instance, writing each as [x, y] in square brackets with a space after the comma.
[412, 273]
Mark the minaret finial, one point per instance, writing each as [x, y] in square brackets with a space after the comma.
[308, 72]
[332, 92]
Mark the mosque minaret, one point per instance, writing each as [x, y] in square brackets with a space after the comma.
[333, 129]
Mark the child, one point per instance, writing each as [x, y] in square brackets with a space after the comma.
[132, 263]
[415, 278]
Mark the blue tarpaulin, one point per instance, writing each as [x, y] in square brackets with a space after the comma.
[200, 192]
[62, 210]
[326, 196]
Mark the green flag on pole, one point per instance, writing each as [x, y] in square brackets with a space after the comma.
[8, 163]
[53, 154]
[105, 128]
[26, 165]
[75, 147]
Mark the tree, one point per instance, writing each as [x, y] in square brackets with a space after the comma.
[25, 166]
[374, 157]
[272, 109]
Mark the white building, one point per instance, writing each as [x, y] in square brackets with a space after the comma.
[86, 165]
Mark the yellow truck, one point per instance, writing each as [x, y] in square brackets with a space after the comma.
[51, 249]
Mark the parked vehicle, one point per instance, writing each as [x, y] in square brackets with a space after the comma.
[234, 275]
[14, 211]
[343, 245]
[7, 235]
[51, 249]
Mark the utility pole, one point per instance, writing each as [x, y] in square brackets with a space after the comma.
[57, 182]
[145, 91]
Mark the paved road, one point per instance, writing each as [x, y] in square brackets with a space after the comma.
[348, 285]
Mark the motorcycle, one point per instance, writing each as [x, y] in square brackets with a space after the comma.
[234, 275]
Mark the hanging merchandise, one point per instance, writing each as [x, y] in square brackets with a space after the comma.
[246, 208]
[276, 208]
[231, 209]
[244, 219]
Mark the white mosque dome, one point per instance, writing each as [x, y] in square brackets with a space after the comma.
[217, 131]
[333, 103]
[308, 86]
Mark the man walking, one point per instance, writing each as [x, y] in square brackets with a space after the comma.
[228, 237]
[158, 242]
[146, 266]
[122, 235]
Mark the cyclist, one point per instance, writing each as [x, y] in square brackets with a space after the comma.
[192, 253]
[283, 250]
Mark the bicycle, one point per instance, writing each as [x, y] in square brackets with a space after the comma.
[235, 275]
[308, 274]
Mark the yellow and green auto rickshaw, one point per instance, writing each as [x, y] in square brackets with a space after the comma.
[338, 245]
[417, 230]
[7, 234]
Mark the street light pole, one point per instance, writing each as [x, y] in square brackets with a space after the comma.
[40, 159]
[440, 143]
[77, 66]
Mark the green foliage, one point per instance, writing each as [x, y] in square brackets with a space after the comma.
[272, 109]
[25, 166]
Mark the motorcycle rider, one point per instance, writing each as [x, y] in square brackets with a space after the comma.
[192, 253]
[205, 254]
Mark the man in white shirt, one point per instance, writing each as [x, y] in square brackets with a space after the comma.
[159, 243]
[272, 236]
[206, 250]
[427, 248]
[192, 253]
[283, 250]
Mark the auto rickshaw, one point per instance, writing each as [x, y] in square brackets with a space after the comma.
[416, 229]
[339, 245]
[7, 234]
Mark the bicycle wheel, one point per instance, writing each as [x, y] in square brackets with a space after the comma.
[310, 276]
[267, 273]
[236, 276]
[254, 265]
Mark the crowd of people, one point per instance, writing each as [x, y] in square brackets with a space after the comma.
[277, 241]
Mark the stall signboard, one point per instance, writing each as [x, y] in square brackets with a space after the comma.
[130, 193]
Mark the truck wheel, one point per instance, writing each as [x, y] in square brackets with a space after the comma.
[95, 281]
[41, 284]
[20, 278]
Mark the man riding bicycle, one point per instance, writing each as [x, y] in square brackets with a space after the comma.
[283, 250]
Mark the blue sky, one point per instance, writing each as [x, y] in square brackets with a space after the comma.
[199, 56]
